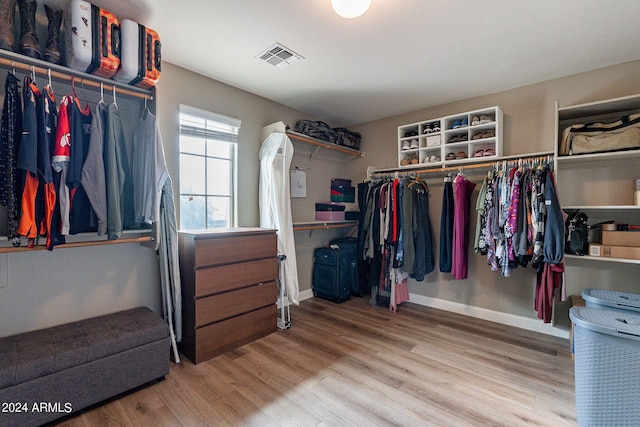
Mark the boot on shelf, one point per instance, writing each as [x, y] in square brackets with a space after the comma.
[29, 44]
[52, 51]
[7, 20]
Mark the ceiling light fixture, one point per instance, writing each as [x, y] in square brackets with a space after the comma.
[350, 8]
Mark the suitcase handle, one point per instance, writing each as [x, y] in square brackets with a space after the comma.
[158, 55]
[115, 40]
[149, 52]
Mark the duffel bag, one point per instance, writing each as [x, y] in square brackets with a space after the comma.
[316, 129]
[348, 138]
[623, 134]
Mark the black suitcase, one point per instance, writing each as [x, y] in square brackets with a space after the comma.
[351, 244]
[332, 274]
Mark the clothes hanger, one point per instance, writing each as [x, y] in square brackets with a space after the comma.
[84, 94]
[448, 178]
[73, 87]
[145, 111]
[418, 180]
[114, 96]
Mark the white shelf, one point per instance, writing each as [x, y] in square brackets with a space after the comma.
[323, 225]
[602, 258]
[603, 208]
[579, 112]
[604, 178]
[626, 155]
[432, 148]
[295, 136]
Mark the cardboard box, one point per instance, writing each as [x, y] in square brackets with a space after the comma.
[624, 252]
[433, 141]
[621, 238]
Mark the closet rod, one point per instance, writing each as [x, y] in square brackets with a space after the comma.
[483, 165]
[80, 78]
[78, 244]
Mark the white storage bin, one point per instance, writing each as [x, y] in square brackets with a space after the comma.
[611, 300]
[607, 366]
[433, 141]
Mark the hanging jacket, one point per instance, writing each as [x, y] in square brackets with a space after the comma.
[28, 162]
[553, 247]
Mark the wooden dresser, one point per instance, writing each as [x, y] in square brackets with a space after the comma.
[229, 289]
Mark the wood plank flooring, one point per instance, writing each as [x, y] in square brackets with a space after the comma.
[351, 364]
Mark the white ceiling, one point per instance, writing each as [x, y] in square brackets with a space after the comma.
[401, 56]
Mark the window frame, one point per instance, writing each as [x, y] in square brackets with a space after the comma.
[232, 140]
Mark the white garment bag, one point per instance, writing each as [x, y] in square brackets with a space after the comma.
[275, 209]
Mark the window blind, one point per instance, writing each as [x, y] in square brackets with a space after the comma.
[207, 125]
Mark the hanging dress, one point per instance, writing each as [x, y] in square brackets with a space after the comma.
[446, 227]
[460, 248]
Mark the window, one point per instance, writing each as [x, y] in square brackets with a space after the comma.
[207, 169]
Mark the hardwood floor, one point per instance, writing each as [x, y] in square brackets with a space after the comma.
[351, 364]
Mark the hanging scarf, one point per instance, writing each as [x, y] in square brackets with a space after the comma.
[10, 134]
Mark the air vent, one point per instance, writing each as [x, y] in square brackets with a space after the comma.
[279, 56]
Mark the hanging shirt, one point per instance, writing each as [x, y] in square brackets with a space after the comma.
[60, 161]
[80, 132]
[46, 197]
[423, 234]
[93, 177]
[149, 170]
[117, 175]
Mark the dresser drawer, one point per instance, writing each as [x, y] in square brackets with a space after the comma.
[221, 337]
[221, 306]
[231, 249]
[213, 280]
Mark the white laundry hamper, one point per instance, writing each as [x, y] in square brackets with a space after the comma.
[607, 366]
[611, 300]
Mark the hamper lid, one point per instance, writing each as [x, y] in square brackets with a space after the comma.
[617, 323]
[616, 299]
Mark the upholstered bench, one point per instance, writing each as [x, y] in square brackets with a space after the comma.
[49, 373]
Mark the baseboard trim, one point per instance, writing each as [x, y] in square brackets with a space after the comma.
[490, 315]
[305, 295]
[477, 312]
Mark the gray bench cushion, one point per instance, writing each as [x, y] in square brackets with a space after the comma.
[34, 354]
